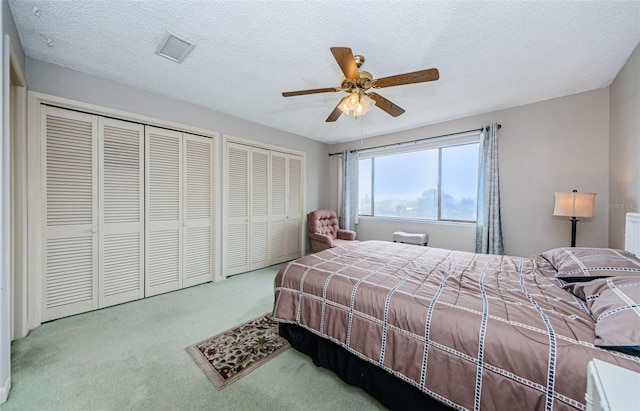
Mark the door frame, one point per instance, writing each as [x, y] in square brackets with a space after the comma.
[19, 254]
[12, 296]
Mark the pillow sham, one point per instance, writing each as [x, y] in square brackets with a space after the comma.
[585, 264]
[614, 303]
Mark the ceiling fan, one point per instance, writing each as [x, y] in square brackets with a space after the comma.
[357, 82]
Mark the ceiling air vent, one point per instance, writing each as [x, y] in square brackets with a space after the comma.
[174, 48]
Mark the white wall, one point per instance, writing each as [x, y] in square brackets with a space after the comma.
[554, 145]
[624, 147]
[453, 236]
[62, 82]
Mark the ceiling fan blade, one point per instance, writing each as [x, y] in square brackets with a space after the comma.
[336, 112]
[312, 91]
[407, 78]
[386, 105]
[344, 57]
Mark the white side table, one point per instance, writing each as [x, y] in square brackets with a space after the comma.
[611, 387]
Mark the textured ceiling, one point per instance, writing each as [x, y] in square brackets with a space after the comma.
[491, 55]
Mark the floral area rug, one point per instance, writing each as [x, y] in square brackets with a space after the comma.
[234, 353]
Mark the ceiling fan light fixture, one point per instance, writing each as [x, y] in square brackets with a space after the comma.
[358, 104]
[353, 100]
[350, 103]
[364, 106]
[367, 103]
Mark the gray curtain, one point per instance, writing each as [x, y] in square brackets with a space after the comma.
[488, 225]
[349, 206]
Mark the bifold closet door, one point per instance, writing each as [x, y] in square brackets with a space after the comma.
[247, 228]
[128, 211]
[236, 233]
[70, 184]
[163, 210]
[286, 207]
[294, 207]
[263, 207]
[121, 227]
[179, 210]
[259, 215]
[278, 223]
[198, 214]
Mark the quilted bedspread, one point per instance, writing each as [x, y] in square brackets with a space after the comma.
[474, 331]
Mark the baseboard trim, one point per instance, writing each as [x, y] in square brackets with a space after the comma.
[4, 390]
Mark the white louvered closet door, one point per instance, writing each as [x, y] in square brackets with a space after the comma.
[70, 177]
[259, 216]
[278, 227]
[121, 216]
[294, 207]
[198, 210]
[236, 237]
[163, 209]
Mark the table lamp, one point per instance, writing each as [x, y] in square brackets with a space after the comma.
[574, 205]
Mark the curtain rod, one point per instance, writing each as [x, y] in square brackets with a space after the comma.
[413, 141]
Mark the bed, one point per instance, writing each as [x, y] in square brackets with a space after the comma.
[421, 327]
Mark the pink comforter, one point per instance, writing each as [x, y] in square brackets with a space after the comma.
[471, 330]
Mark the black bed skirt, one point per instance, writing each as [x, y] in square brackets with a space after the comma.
[392, 392]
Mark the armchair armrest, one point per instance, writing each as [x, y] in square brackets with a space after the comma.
[346, 234]
[322, 238]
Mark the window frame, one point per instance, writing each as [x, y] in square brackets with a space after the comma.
[436, 143]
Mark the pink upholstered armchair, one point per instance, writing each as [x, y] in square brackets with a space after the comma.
[324, 232]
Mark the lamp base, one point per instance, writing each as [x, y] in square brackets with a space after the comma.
[574, 222]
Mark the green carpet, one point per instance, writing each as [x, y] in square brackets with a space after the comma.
[132, 356]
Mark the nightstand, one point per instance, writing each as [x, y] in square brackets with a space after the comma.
[612, 388]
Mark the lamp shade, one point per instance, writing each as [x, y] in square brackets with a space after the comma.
[365, 105]
[358, 104]
[575, 204]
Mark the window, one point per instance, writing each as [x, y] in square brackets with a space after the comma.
[434, 183]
